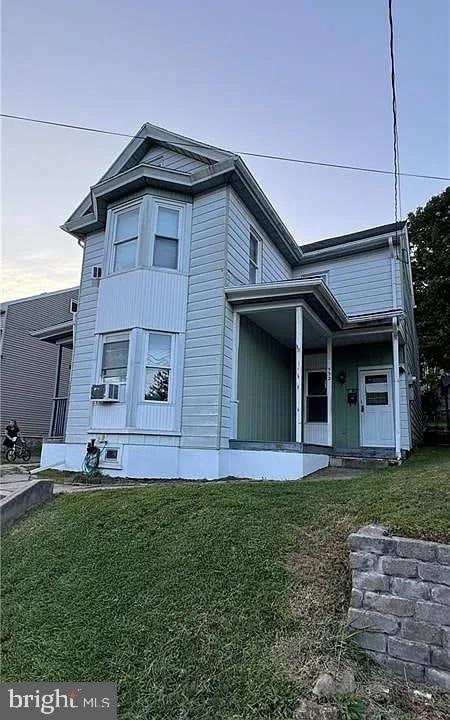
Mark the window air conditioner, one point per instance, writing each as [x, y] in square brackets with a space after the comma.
[105, 392]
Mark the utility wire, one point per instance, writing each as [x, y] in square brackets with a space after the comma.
[394, 119]
[193, 145]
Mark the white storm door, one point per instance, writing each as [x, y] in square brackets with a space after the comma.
[376, 408]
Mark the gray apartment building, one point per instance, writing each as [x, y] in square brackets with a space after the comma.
[36, 352]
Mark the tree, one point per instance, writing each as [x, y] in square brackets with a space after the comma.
[429, 234]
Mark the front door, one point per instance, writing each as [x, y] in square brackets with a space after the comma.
[376, 408]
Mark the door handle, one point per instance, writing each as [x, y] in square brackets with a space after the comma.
[362, 408]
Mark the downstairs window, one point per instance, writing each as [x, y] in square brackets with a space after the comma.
[316, 397]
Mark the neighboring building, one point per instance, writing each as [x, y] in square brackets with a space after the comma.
[221, 347]
[35, 375]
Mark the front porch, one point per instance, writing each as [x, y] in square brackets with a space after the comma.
[62, 337]
[308, 379]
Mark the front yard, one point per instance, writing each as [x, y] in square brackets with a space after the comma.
[205, 602]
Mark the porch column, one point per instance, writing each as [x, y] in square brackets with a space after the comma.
[396, 369]
[299, 374]
[330, 391]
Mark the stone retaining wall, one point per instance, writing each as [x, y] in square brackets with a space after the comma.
[401, 603]
[32, 494]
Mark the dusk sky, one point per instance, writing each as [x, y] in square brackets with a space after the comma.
[308, 79]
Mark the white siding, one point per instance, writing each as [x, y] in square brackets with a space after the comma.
[83, 361]
[172, 160]
[274, 264]
[205, 320]
[362, 283]
[145, 298]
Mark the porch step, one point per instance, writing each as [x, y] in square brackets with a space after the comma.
[368, 463]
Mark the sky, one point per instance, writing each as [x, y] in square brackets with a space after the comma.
[303, 78]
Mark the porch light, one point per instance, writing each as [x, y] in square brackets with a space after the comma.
[342, 377]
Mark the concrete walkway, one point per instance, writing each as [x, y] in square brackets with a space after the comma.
[13, 477]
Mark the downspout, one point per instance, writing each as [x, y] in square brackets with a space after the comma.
[396, 367]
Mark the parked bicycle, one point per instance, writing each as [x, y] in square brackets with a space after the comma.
[18, 451]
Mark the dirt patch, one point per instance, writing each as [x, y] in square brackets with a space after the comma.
[318, 639]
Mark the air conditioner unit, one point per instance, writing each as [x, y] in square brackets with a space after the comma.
[73, 306]
[105, 392]
[96, 272]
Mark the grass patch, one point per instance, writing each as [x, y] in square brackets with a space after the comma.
[204, 602]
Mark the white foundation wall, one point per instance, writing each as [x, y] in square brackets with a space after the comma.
[145, 461]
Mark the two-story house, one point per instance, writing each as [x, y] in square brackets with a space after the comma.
[209, 343]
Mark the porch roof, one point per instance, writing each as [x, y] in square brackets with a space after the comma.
[317, 295]
[61, 334]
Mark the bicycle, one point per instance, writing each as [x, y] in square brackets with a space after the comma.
[20, 451]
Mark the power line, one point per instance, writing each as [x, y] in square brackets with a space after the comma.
[394, 119]
[266, 156]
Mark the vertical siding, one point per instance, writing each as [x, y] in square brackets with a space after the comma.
[264, 386]
[78, 416]
[362, 283]
[28, 365]
[349, 359]
[205, 321]
[274, 268]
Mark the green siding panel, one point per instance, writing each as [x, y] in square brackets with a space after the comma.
[349, 359]
[265, 372]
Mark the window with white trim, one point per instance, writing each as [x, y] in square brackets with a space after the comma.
[254, 259]
[167, 237]
[125, 239]
[158, 367]
[115, 360]
[111, 454]
[316, 396]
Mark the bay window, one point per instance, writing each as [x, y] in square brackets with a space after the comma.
[115, 360]
[165, 250]
[158, 367]
[125, 240]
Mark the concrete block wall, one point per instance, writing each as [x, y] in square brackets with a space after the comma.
[400, 603]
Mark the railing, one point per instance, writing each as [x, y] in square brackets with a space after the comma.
[58, 423]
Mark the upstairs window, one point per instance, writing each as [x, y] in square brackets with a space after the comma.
[254, 261]
[115, 360]
[158, 367]
[125, 242]
[165, 252]
[316, 398]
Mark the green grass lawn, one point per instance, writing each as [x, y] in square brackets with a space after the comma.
[201, 601]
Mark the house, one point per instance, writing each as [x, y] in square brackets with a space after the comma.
[209, 344]
[34, 375]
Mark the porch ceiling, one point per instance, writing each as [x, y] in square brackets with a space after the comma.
[280, 324]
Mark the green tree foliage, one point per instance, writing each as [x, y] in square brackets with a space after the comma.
[429, 234]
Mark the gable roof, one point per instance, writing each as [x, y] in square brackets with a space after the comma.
[146, 137]
[131, 172]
